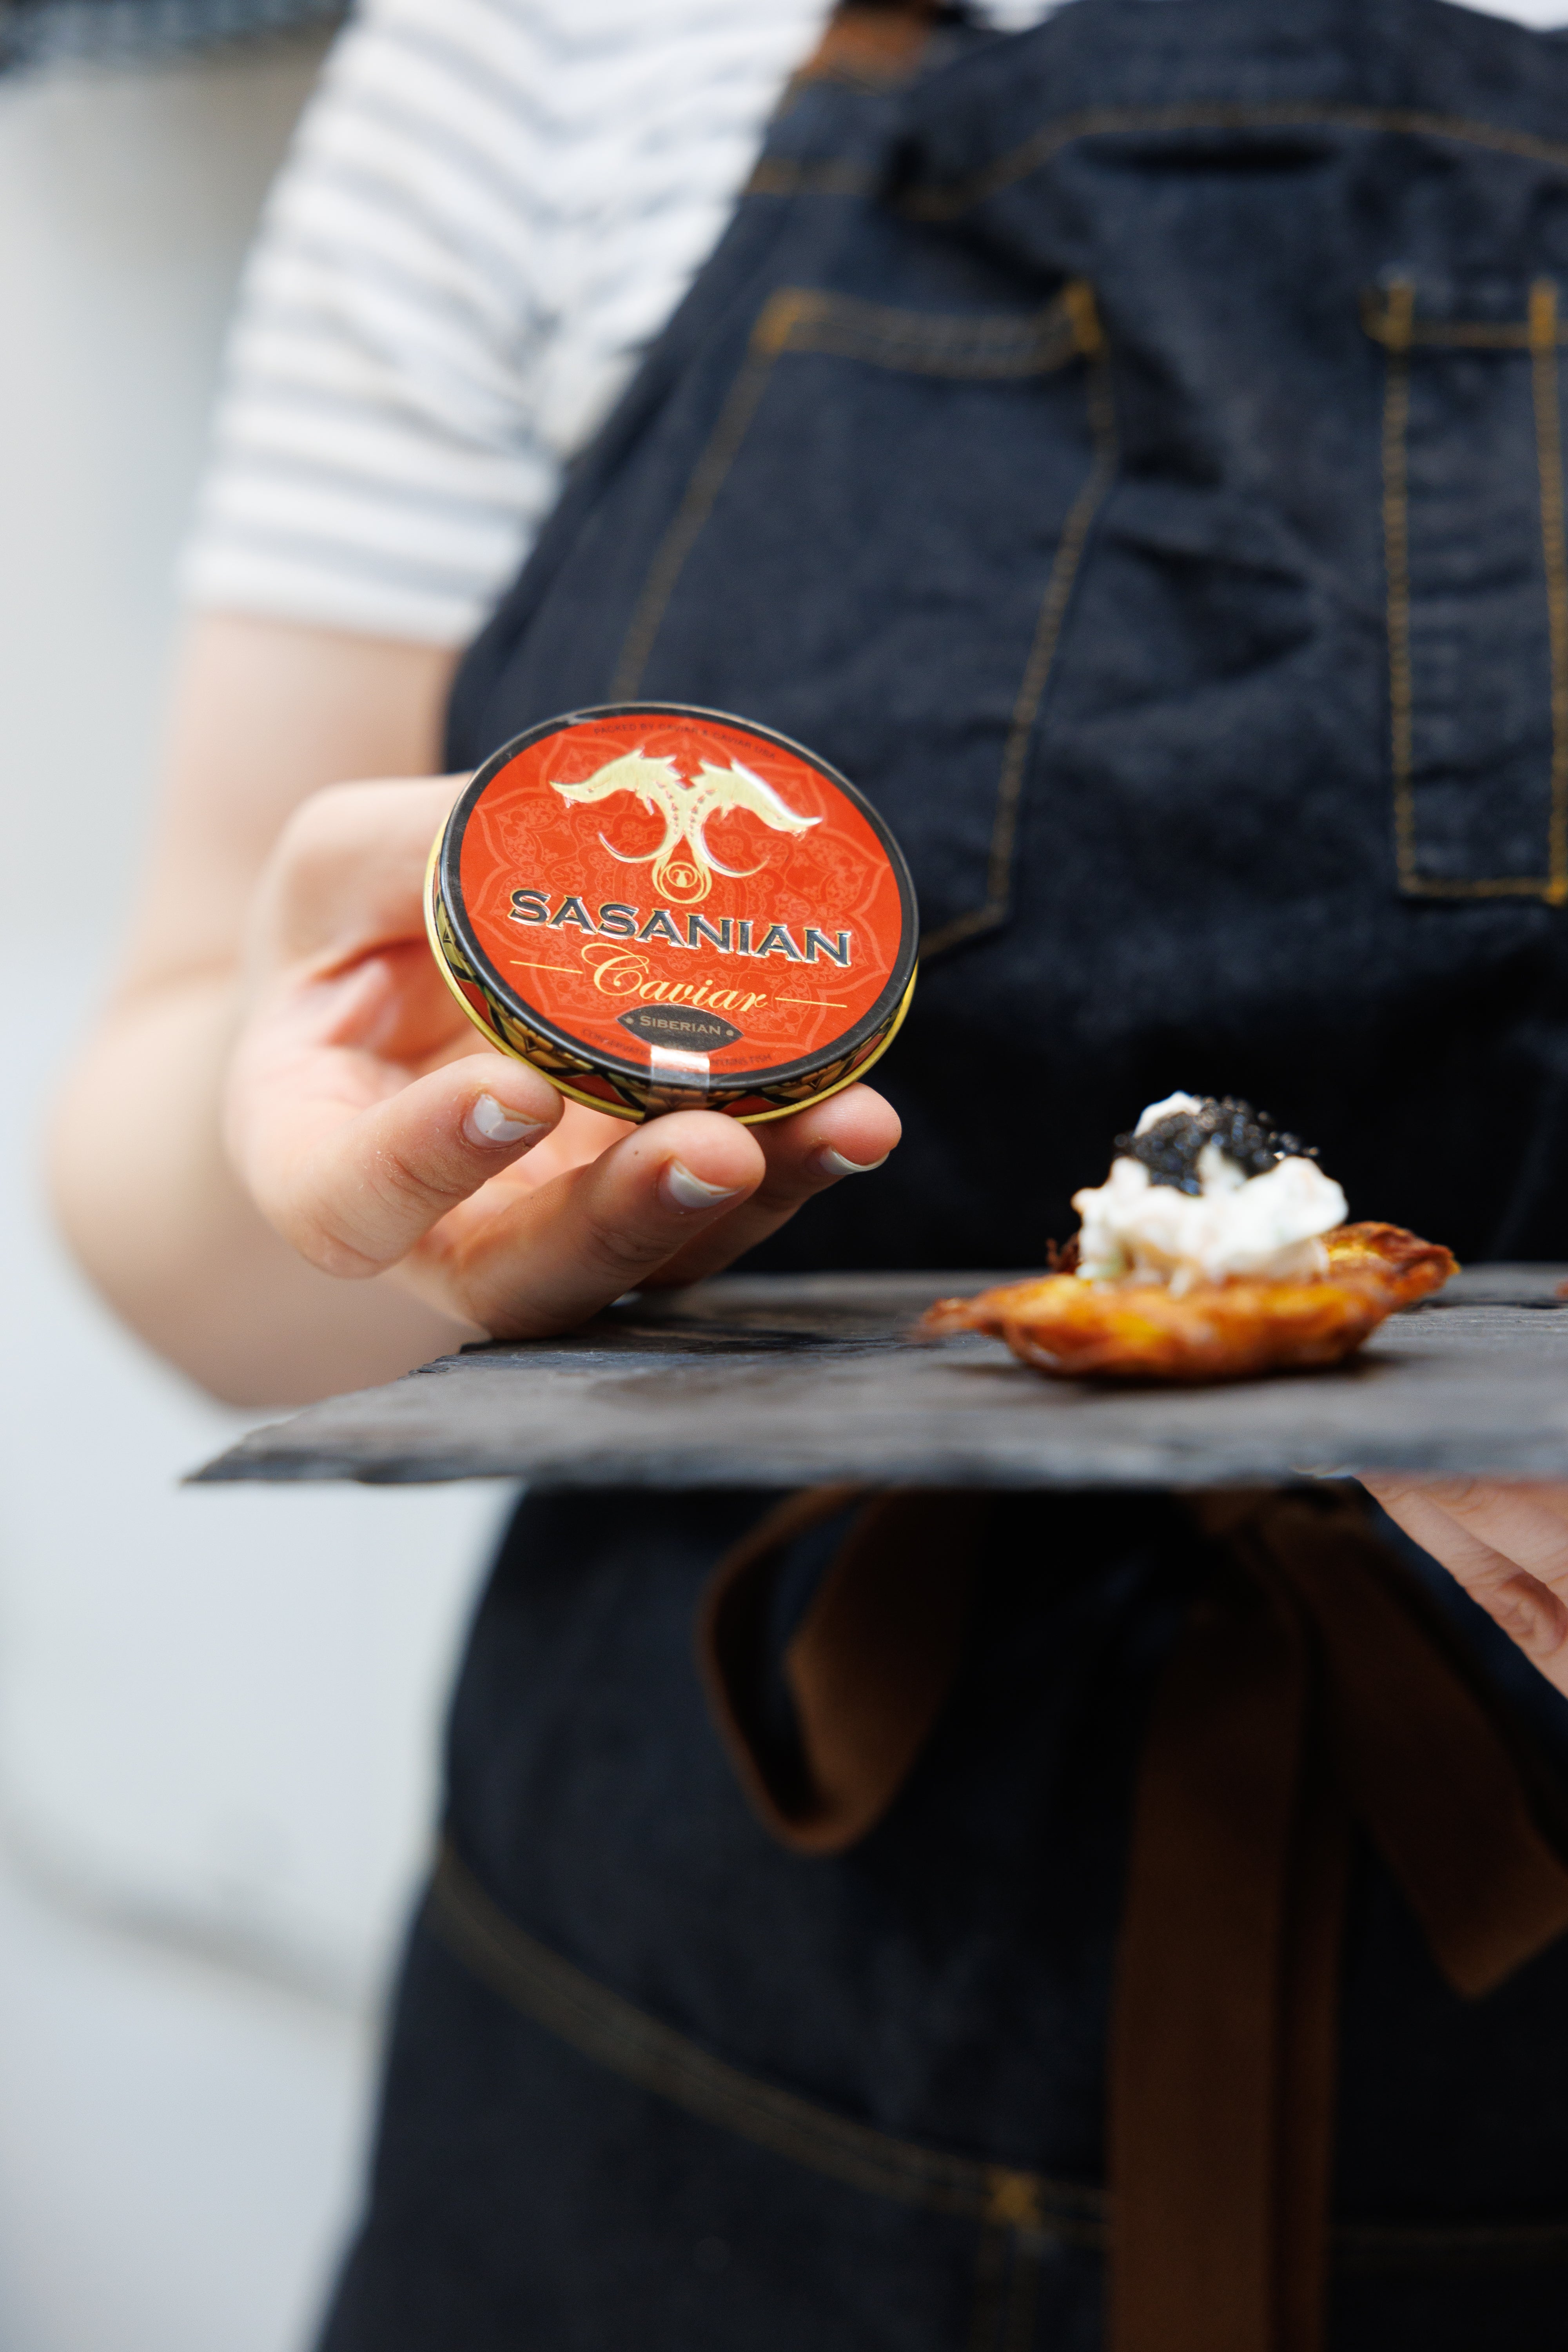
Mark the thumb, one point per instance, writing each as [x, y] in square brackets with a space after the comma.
[348, 871]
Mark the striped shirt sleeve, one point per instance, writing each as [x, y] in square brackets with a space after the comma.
[489, 207]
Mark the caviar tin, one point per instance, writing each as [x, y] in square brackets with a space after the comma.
[667, 908]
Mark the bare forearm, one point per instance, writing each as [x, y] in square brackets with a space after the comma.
[158, 1220]
[265, 713]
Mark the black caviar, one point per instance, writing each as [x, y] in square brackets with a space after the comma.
[1170, 1149]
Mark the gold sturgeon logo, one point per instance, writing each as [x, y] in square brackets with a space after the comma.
[685, 807]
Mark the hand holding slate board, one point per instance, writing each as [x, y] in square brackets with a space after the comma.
[796, 1379]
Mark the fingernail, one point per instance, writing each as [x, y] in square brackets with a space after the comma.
[682, 1190]
[833, 1163]
[489, 1121]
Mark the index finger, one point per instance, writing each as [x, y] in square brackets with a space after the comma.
[849, 1134]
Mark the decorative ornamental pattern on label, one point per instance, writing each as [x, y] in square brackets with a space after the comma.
[661, 907]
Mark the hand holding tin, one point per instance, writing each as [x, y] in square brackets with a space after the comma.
[374, 1140]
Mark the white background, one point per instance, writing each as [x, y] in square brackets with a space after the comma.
[217, 1709]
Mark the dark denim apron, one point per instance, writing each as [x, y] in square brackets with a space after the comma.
[1133, 453]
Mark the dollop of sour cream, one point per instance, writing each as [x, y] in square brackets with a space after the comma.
[1270, 1227]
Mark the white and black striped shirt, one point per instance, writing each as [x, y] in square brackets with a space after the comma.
[490, 206]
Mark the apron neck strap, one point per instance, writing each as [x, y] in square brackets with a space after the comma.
[875, 41]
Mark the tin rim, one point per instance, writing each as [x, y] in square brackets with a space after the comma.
[887, 1011]
[629, 1116]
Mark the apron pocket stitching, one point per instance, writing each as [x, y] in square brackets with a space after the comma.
[974, 348]
[1389, 317]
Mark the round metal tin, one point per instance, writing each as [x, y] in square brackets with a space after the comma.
[667, 908]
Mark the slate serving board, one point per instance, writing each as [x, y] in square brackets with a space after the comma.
[783, 1380]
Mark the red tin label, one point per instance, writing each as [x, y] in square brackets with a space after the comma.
[677, 890]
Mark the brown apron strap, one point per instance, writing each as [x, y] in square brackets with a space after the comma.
[869, 1669]
[1433, 1777]
[1310, 1681]
[872, 40]
[1223, 2042]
